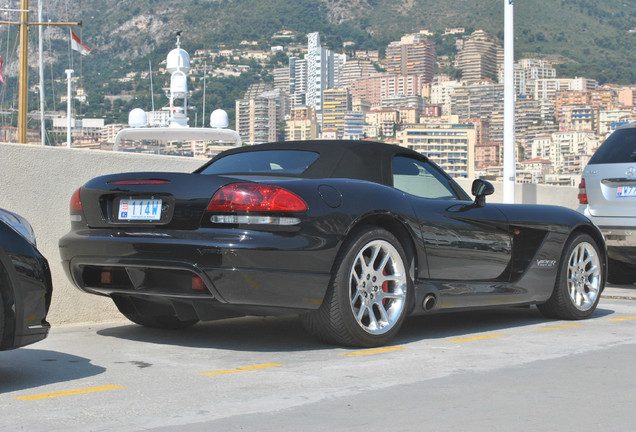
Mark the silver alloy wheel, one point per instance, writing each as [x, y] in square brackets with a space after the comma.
[377, 287]
[584, 276]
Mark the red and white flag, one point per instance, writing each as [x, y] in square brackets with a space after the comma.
[1, 75]
[78, 46]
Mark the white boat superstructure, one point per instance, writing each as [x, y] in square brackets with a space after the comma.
[178, 65]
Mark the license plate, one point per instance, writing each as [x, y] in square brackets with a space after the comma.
[626, 191]
[140, 209]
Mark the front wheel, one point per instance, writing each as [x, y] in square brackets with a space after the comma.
[149, 314]
[579, 281]
[369, 293]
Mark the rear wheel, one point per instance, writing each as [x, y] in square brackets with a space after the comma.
[370, 289]
[621, 273]
[150, 314]
[579, 281]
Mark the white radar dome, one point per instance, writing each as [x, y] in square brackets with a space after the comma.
[137, 118]
[219, 119]
[178, 59]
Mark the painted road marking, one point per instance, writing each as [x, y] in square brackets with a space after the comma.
[623, 319]
[242, 369]
[372, 351]
[560, 327]
[68, 393]
[474, 338]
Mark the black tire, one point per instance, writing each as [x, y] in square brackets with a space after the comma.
[365, 305]
[579, 280]
[150, 314]
[621, 273]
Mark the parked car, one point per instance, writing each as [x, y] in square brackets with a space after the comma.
[353, 236]
[25, 284]
[607, 195]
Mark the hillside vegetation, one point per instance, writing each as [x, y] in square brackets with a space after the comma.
[590, 38]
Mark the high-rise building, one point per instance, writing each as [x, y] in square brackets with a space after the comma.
[414, 54]
[378, 86]
[451, 146]
[336, 103]
[480, 57]
[354, 70]
[297, 76]
[258, 118]
[321, 73]
[526, 72]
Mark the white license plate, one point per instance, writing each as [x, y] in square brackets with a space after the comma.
[140, 209]
[626, 191]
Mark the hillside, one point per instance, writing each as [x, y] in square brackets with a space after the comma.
[589, 38]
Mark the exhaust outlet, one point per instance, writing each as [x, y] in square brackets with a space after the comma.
[429, 302]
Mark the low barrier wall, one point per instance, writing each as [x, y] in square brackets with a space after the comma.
[37, 182]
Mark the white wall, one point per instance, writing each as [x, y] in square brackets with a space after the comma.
[37, 182]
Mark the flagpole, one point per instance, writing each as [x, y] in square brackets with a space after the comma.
[69, 72]
[23, 73]
[23, 84]
[41, 63]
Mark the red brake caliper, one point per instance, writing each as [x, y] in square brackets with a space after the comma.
[385, 287]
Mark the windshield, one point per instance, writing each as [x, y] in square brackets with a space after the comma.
[286, 162]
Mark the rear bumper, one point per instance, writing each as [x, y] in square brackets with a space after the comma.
[619, 233]
[242, 269]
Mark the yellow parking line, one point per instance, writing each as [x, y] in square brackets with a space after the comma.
[623, 319]
[242, 369]
[560, 327]
[372, 351]
[474, 338]
[68, 393]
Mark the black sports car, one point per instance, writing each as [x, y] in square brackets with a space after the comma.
[354, 236]
[25, 284]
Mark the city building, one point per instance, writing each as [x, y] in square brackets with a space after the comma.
[451, 146]
[353, 126]
[302, 124]
[336, 103]
[258, 118]
[480, 57]
[414, 54]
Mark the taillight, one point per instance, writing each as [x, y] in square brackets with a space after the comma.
[582, 193]
[76, 204]
[254, 197]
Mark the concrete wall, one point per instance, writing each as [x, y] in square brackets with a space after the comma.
[37, 182]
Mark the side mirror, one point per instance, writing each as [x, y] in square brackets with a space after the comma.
[480, 189]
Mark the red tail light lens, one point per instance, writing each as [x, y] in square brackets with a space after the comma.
[582, 193]
[76, 204]
[253, 197]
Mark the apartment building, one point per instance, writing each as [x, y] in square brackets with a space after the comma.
[414, 54]
[378, 86]
[353, 126]
[451, 146]
[258, 118]
[526, 72]
[301, 125]
[354, 70]
[336, 103]
[480, 57]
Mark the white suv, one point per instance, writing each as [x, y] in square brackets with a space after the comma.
[607, 194]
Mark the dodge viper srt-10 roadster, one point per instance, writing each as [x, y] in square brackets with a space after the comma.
[25, 284]
[352, 236]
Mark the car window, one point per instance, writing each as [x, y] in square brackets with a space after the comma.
[619, 147]
[421, 179]
[263, 162]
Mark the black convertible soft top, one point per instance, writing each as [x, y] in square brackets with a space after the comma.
[361, 160]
